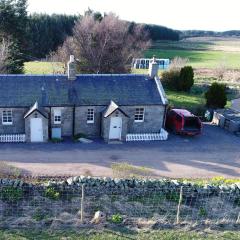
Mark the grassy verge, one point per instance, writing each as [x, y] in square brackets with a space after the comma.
[7, 170]
[125, 170]
[115, 235]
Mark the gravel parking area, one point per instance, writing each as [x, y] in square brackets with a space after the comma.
[215, 153]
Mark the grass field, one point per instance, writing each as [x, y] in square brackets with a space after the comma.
[201, 52]
[115, 235]
[42, 67]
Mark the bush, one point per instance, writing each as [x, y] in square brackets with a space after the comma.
[179, 80]
[170, 79]
[216, 96]
[117, 219]
[56, 140]
[11, 194]
[52, 193]
[186, 79]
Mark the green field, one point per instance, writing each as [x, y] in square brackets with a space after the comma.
[38, 67]
[116, 235]
[201, 52]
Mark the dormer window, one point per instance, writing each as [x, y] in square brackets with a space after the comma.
[57, 116]
[7, 117]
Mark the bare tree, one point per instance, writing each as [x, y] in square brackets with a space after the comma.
[177, 63]
[4, 54]
[57, 67]
[221, 70]
[105, 46]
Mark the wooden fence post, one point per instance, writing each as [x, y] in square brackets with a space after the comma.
[82, 203]
[179, 204]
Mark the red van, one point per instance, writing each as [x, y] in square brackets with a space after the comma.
[181, 121]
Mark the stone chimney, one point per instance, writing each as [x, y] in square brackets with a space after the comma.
[71, 68]
[153, 68]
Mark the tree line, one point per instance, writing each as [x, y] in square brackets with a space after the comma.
[202, 33]
[47, 32]
[25, 37]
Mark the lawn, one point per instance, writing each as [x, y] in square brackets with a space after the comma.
[116, 235]
[185, 100]
[37, 67]
[201, 52]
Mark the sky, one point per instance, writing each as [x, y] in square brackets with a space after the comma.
[217, 15]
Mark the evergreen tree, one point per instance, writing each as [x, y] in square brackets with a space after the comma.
[46, 32]
[13, 15]
[216, 96]
[186, 78]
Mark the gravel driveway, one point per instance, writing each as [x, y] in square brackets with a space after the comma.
[215, 153]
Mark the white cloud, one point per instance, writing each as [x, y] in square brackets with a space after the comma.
[178, 14]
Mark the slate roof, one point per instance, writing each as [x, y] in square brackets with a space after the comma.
[57, 90]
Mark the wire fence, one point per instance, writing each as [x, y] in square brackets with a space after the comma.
[74, 207]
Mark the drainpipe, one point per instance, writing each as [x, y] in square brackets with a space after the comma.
[165, 116]
[73, 120]
[50, 124]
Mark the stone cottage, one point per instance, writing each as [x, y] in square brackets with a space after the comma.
[99, 105]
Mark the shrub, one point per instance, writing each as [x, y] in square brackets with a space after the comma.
[186, 79]
[202, 212]
[216, 96]
[56, 140]
[11, 194]
[170, 79]
[52, 193]
[116, 218]
[179, 80]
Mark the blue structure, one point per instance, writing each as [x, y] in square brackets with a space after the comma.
[143, 63]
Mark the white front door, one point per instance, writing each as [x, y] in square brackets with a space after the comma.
[115, 128]
[36, 130]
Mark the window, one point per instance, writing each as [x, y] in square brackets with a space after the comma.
[90, 115]
[57, 116]
[7, 117]
[139, 115]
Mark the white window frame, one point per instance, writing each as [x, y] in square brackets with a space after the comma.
[7, 117]
[57, 113]
[138, 113]
[90, 115]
